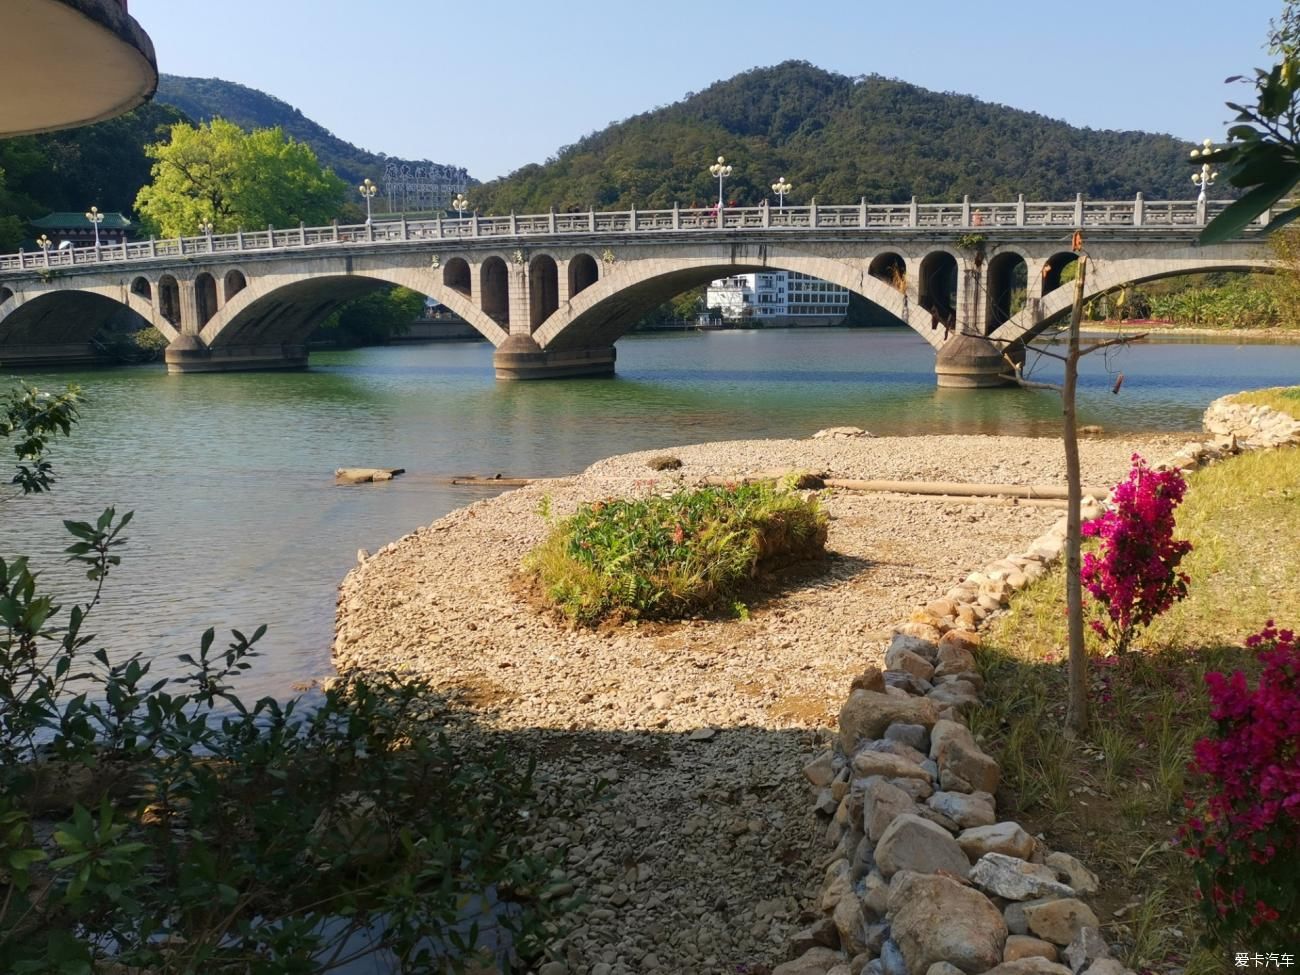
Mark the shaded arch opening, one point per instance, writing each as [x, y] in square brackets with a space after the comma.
[142, 287]
[938, 285]
[205, 297]
[890, 268]
[5, 295]
[235, 282]
[63, 321]
[543, 290]
[604, 320]
[169, 299]
[457, 277]
[583, 273]
[1055, 270]
[1007, 288]
[494, 286]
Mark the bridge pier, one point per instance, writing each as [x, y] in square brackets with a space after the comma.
[969, 362]
[520, 357]
[188, 354]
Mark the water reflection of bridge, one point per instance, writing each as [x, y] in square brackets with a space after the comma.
[553, 292]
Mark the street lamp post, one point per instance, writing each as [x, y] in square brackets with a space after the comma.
[460, 205]
[43, 243]
[205, 228]
[1206, 177]
[368, 190]
[95, 218]
[781, 188]
[721, 170]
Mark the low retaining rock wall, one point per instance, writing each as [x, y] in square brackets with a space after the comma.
[923, 877]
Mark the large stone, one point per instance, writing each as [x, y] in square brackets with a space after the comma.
[1006, 838]
[836, 884]
[821, 770]
[1016, 879]
[1106, 966]
[851, 924]
[922, 631]
[913, 735]
[1087, 947]
[916, 844]
[965, 809]
[954, 659]
[1072, 872]
[1059, 921]
[892, 960]
[866, 715]
[944, 968]
[814, 961]
[943, 732]
[1029, 966]
[964, 768]
[870, 679]
[870, 762]
[882, 803]
[937, 919]
[1022, 946]
[822, 933]
[875, 893]
[955, 694]
[909, 662]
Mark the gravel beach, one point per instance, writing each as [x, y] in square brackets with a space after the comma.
[703, 851]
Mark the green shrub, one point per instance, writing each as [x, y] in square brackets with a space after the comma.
[668, 557]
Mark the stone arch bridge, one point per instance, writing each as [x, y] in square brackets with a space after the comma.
[554, 292]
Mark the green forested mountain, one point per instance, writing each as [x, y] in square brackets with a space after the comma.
[840, 138]
[205, 98]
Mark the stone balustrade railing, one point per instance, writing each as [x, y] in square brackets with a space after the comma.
[1176, 215]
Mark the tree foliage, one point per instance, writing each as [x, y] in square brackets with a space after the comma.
[839, 138]
[374, 318]
[1262, 156]
[217, 173]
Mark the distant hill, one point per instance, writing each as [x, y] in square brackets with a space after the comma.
[203, 98]
[840, 138]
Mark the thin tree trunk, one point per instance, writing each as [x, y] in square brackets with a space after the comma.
[1077, 714]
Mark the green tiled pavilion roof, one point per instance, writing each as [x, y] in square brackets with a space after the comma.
[67, 221]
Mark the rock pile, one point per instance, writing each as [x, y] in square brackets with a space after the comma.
[924, 879]
[1251, 426]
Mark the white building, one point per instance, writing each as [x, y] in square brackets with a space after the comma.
[778, 298]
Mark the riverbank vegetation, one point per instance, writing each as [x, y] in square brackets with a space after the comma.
[1116, 797]
[165, 825]
[669, 557]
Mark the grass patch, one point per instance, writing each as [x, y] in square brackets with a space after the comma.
[1114, 798]
[1284, 399]
[669, 557]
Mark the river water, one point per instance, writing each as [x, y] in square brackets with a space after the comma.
[238, 521]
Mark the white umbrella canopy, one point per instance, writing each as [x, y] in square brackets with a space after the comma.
[71, 62]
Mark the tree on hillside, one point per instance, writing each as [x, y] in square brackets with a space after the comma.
[217, 173]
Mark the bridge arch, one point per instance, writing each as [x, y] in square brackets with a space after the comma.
[494, 290]
[233, 283]
[1108, 275]
[1054, 268]
[543, 290]
[1008, 272]
[607, 309]
[583, 273]
[284, 309]
[141, 286]
[205, 297]
[169, 300]
[457, 277]
[937, 283]
[68, 318]
[890, 267]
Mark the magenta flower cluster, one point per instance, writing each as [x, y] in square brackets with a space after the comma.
[1134, 578]
[1245, 838]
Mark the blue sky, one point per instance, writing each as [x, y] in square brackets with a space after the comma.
[495, 85]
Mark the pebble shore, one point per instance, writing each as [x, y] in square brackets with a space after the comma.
[702, 853]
